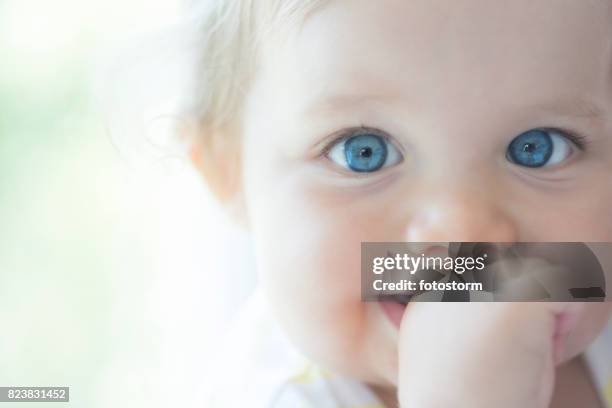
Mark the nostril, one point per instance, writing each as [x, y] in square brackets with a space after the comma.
[460, 213]
[455, 226]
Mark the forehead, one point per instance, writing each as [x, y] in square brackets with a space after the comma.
[427, 51]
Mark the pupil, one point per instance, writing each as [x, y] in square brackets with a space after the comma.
[366, 152]
[529, 147]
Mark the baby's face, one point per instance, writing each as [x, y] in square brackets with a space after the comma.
[421, 120]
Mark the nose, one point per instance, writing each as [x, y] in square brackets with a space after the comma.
[460, 214]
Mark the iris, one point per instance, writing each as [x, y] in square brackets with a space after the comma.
[365, 153]
[533, 148]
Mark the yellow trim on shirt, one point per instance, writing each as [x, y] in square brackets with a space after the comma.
[310, 374]
[313, 373]
[608, 392]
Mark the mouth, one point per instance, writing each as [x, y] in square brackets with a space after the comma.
[395, 307]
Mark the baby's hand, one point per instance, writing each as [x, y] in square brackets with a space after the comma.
[477, 355]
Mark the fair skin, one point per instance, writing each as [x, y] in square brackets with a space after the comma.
[449, 84]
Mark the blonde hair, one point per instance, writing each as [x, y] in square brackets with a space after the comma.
[182, 86]
[228, 39]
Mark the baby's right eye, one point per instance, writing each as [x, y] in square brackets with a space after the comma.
[364, 153]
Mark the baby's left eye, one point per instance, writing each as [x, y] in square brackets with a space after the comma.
[364, 153]
[540, 148]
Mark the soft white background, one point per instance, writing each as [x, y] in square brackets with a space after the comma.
[117, 271]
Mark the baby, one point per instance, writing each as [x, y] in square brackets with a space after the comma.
[324, 124]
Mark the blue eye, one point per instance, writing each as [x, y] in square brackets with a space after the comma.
[364, 153]
[539, 148]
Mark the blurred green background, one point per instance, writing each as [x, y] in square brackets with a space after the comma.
[100, 260]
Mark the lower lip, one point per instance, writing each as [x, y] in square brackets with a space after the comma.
[564, 324]
[394, 311]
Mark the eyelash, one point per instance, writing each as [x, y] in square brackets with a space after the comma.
[346, 134]
[576, 138]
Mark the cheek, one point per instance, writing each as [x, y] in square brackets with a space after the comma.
[587, 209]
[579, 215]
[588, 220]
[308, 252]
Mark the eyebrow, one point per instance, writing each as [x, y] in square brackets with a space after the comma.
[568, 107]
[330, 103]
[579, 108]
